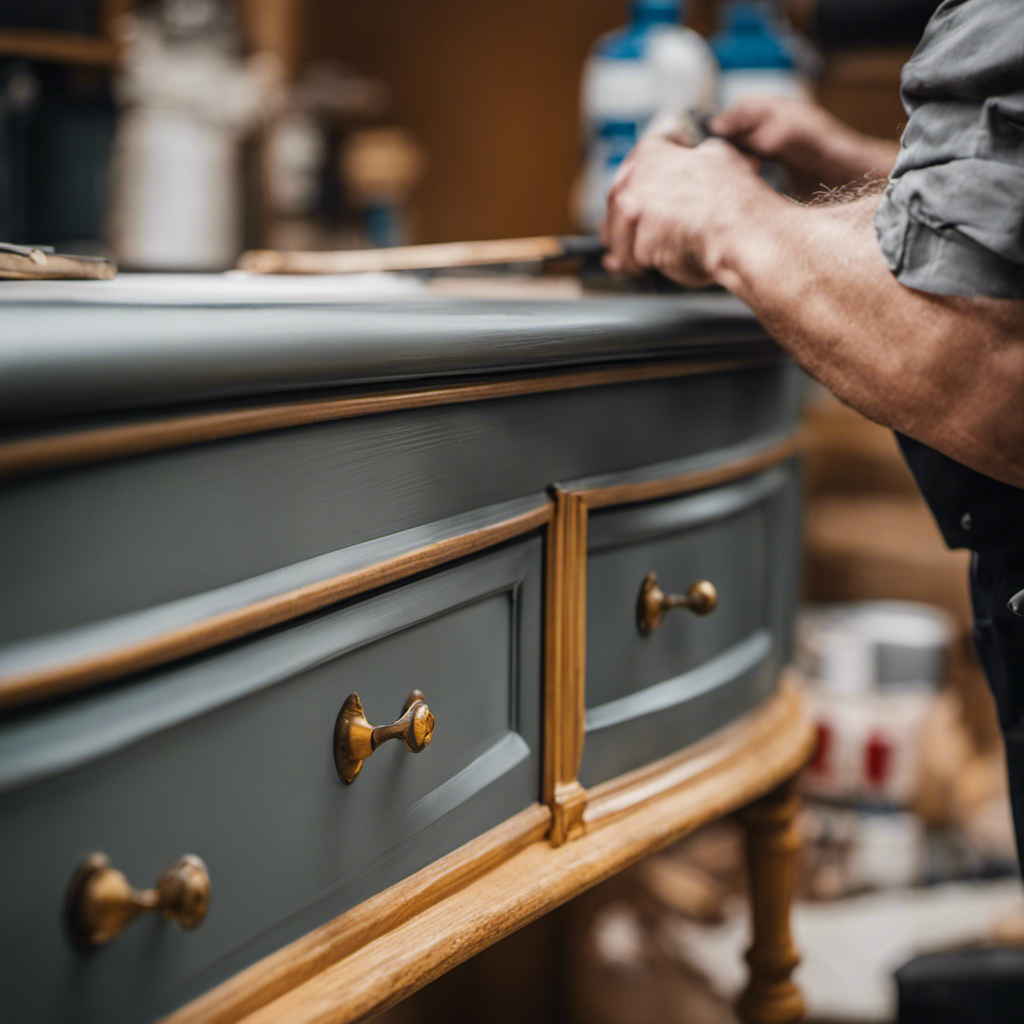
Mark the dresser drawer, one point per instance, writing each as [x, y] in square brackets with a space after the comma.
[231, 757]
[649, 694]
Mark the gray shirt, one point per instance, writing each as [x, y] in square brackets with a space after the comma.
[952, 218]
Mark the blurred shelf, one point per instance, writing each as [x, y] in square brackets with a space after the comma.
[58, 47]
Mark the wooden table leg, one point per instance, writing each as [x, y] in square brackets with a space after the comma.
[773, 839]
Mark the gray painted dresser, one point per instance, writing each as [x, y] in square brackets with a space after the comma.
[221, 519]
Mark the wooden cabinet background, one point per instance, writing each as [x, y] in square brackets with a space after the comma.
[491, 89]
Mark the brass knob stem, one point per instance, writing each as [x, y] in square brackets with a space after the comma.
[101, 903]
[701, 598]
[355, 739]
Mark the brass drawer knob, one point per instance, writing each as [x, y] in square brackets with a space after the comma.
[101, 903]
[701, 598]
[355, 739]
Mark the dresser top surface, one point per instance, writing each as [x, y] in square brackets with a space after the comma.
[71, 347]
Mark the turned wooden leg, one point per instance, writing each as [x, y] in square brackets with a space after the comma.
[773, 840]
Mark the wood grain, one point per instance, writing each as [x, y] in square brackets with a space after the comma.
[503, 156]
[554, 651]
[237, 623]
[46, 453]
[322, 984]
[564, 686]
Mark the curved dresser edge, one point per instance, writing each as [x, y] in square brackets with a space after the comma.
[123, 356]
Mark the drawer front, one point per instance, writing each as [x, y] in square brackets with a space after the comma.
[231, 758]
[648, 695]
[172, 524]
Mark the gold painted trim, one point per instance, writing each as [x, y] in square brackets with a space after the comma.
[566, 653]
[232, 625]
[41, 454]
[357, 965]
[650, 490]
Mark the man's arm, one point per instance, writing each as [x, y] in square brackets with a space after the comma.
[948, 371]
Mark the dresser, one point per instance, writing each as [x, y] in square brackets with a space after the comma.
[339, 639]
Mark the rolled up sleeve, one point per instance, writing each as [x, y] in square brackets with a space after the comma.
[952, 218]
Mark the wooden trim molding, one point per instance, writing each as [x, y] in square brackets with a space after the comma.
[19, 688]
[649, 490]
[46, 453]
[353, 968]
[566, 653]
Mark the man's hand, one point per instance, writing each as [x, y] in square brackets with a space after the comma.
[945, 370]
[816, 148]
[668, 204]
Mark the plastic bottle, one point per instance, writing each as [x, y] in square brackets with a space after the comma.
[189, 100]
[653, 68]
[757, 55]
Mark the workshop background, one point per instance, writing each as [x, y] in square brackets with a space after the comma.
[324, 124]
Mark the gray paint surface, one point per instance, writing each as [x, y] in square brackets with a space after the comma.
[648, 696]
[231, 759]
[121, 356]
[102, 541]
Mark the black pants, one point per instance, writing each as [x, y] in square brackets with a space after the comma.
[999, 638]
